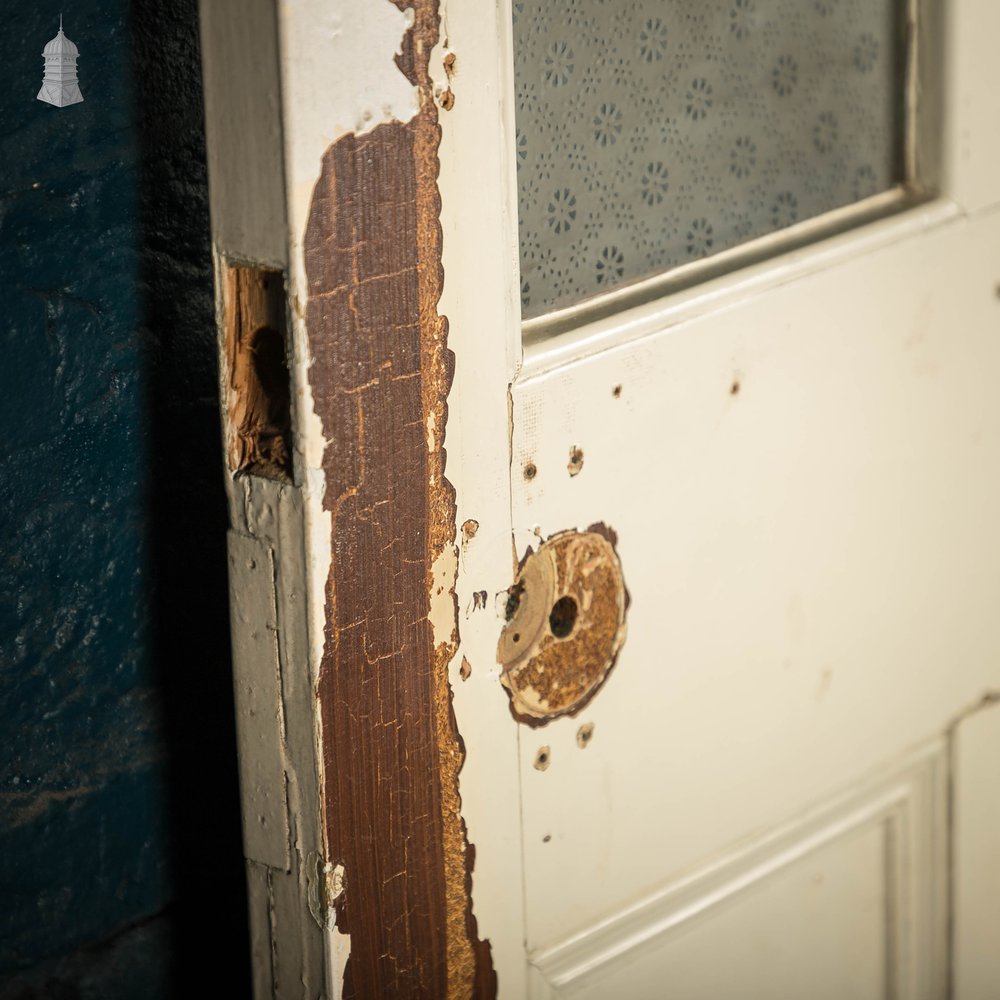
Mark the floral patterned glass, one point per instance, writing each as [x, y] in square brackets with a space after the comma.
[655, 132]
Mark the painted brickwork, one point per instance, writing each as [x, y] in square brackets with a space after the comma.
[117, 772]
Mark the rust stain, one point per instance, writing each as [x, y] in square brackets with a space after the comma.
[565, 624]
[380, 376]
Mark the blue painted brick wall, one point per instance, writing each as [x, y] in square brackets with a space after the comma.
[117, 768]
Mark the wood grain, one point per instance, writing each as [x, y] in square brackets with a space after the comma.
[380, 376]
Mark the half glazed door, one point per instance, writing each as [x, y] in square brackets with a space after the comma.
[627, 554]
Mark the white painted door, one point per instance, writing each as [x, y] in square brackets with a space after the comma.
[784, 785]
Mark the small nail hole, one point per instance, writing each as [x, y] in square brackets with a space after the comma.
[530, 471]
[616, 392]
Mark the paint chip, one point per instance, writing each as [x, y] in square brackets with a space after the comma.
[575, 464]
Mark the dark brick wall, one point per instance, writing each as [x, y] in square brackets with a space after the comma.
[118, 795]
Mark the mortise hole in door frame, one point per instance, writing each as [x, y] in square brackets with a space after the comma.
[255, 363]
[922, 24]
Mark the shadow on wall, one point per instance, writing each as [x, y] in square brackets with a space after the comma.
[121, 867]
[190, 596]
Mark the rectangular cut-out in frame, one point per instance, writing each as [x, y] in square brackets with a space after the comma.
[258, 393]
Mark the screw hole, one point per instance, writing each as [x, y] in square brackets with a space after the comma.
[513, 600]
[562, 617]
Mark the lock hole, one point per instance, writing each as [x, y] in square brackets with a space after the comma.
[562, 617]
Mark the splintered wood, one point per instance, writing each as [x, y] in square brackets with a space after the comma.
[257, 383]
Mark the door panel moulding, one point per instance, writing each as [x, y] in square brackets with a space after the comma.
[974, 807]
[905, 803]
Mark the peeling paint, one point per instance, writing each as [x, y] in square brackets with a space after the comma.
[442, 611]
[565, 624]
[380, 374]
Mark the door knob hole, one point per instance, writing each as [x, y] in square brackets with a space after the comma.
[562, 618]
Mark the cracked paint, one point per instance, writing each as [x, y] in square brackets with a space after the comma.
[379, 377]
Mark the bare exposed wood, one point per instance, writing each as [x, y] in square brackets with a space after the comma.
[380, 376]
[257, 384]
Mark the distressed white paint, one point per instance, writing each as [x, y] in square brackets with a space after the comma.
[972, 103]
[479, 258]
[338, 75]
[260, 735]
[811, 561]
[243, 123]
[880, 846]
[284, 80]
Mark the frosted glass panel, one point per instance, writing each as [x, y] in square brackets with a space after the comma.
[655, 132]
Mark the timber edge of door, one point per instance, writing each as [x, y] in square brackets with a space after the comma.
[349, 586]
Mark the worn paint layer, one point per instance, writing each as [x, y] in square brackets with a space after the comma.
[380, 376]
[566, 624]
